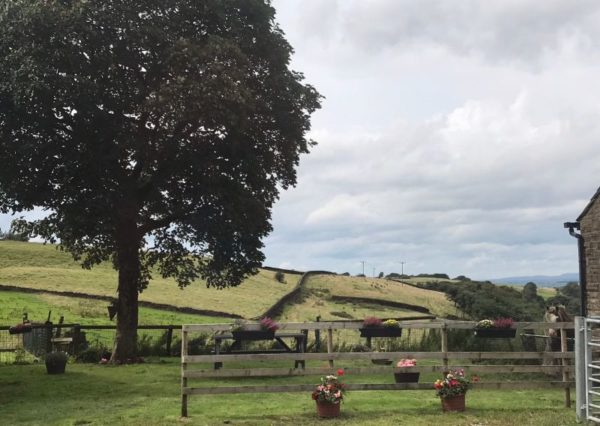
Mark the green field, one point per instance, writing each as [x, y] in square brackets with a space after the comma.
[82, 311]
[44, 267]
[148, 394]
[320, 288]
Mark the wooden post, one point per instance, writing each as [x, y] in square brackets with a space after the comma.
[169, 340]
[318, 336]
[565, 375]
[330, 345]
[184, 352]
[445, 346]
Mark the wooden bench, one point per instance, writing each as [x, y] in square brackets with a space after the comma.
[237, 348]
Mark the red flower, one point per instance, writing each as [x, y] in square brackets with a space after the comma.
[340, 372]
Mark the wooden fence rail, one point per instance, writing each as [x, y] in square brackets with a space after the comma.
[444, 357]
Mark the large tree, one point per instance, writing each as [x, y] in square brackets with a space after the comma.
[155, 133]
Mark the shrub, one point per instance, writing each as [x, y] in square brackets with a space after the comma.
[280, 277]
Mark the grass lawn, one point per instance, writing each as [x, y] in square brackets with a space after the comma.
[148, 394]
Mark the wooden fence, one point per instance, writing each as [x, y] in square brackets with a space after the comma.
[445, 360]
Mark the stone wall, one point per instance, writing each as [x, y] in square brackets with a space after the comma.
[590, 230]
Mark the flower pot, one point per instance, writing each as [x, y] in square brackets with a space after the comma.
[55, 367]
[495, 333]
[253, 335]
[380, 332]
[327, 409]
[407, 377]
[454, 403]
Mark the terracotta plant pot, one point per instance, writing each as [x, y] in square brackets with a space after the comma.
[326, 409]
[454, 403]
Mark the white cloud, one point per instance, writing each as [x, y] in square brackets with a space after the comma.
[454, 136]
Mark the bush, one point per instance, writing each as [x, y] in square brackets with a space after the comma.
[93, 354]
[280, 277]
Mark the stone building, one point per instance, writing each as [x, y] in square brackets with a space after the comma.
[588, 223]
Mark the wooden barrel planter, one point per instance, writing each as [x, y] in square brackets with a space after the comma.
[495, 333]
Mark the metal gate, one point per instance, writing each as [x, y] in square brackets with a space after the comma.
[587, 368]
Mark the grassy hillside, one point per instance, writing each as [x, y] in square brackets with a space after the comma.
[319, 289]
[44, 267]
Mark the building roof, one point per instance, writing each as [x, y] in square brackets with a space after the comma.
[589, 205]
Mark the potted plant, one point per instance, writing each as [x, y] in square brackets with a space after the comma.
[496, 329]
[56, 362]
[329, 395]
[375, 327]
[407, 377]
[452, 390]
[268, 327]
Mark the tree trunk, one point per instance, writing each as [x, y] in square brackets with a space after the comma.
[128, 245]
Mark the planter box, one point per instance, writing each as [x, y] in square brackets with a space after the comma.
[495, 333]
[380, 332]
[407, 377]
[382, 361]
[253, 335]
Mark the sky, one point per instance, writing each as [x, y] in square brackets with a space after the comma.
[454, 137]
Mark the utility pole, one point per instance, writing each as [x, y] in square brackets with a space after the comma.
[373, 272]
[363, 265]
[402, 263]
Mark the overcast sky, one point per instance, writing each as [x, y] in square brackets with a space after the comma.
[456, 136]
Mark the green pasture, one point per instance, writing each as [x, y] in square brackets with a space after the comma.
[148, 394]
[44, 267]
[82, 311]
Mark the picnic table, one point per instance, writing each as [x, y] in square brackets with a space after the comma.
[237, 345]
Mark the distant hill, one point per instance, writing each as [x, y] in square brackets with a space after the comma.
[540, 280]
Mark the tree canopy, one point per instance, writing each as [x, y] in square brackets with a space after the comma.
[156, 133]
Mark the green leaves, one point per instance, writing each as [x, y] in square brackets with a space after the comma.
[178, 118]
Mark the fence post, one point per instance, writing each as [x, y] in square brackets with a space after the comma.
[169, 340]
[579, 369]
[565, 375]
[318, 336]
[445, 345]
[184, 352]
[330, 345]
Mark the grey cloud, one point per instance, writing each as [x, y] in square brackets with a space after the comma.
[514, 31]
